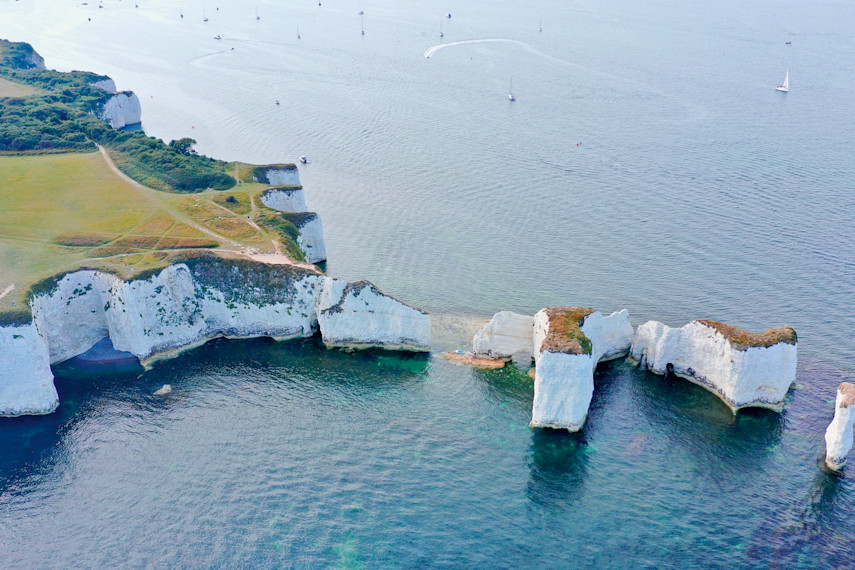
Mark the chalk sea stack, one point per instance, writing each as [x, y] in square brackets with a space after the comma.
[568, 343]
[742, 368]
[838, 436]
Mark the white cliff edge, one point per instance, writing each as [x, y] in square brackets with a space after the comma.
[121, 110]
[508, 334]
[838, 436]
[292, 199]
[105, 84]
[185, 305]
[564, 371]
[357, 315]
[742, 376]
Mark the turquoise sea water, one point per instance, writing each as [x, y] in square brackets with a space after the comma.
[697, 191]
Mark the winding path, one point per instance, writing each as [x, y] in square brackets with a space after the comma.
[151, 194]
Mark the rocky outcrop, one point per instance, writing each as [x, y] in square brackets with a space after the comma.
[569, 342]
[277, 175]
[506, 334]
[292, 201]
[121, 110]
[357, 315]
[838, 436]
[187, 304]
[105, 84]
[285, 199]
[744, 369]
[311, 238]
[26, 382]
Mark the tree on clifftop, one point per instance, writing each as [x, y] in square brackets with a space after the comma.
[182, 146]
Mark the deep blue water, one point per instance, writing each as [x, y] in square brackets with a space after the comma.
[697, 191]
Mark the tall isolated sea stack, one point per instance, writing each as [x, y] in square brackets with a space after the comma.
[569, 342]
[838, 436]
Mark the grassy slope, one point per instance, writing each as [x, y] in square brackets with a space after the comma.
[15, 89]
[60, 212]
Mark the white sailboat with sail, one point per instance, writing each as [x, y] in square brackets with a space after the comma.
[511, 95]
[785, 86]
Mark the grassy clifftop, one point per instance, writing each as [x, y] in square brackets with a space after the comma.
[57, 112]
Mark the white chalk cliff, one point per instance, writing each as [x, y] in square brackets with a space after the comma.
[105, 84]
[289, 199]
[187, 304]
[741, 374]
[121, 110]
[277, 175]
[838, 436]
[292, 200]
[565, 361]
[357, 315]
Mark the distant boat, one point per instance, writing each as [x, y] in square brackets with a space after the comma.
[277, 101]
[304, 160]
[440, 29]
[257, 17]
[448, 15]
[181, 13]
[785, 86]
[511, 95]
[218, 37]
[362, 23]
[298, 32]
[540, 25]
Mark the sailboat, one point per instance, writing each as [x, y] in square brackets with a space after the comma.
[257, 17]
[540, 25]
[511, 95]
[440, 29]
[785, 86]
[298, 32]
[362, 23]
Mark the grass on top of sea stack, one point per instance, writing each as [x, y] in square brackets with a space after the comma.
[743, 340]
[565, 330]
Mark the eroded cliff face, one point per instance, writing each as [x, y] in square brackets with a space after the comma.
[26, 382]
[838, 435]
[564, 375]
[121, 110]
[753, 376]
[105, 84]
[507, 334]
[285, 199]
[187, 304]
[292, 200]
[357, 315]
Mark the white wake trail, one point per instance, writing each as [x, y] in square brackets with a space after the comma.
[431, 51]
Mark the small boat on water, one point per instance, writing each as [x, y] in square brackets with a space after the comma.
[511, 95]
[298, 33]
[218, 37]
[304, 160]
[440, 29]
[277, 101]
[785, 86]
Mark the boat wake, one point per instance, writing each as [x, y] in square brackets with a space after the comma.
[431, 51]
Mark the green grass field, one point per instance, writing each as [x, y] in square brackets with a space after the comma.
[65, 211]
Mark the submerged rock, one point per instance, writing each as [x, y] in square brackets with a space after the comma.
[166, 389]
[569, 342]
[744, 369]
[838, 436]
